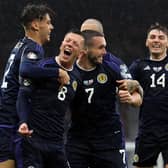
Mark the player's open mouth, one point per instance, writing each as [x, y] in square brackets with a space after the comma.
[67, 52]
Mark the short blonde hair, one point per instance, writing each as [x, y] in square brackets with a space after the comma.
[92, 24]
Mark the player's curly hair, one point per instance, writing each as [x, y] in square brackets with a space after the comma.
[34, 11]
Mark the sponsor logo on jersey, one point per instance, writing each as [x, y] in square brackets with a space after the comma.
[88, 82]
[157, 69]
[124, 72]
[32, 55]
[102, 78]
[166, 67]
[147, 68]
[74, 85]
[135, 158]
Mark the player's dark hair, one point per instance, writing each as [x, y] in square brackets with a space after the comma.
[159, 27]
[89, 34]
[35, 11]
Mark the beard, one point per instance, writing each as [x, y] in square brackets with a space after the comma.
[94, 60]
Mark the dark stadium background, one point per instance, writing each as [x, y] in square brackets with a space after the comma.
[125, 24]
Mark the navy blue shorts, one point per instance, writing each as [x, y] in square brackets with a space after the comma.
[42, 155]
[84, 155]
[148, 146]
[7, 137]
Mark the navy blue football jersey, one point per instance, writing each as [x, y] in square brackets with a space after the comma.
[94, 113]
[10, 82]
[28, 52]
[49, 102]
[117, 65]
[153, 77]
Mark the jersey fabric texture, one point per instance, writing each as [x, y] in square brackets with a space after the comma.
[96, 125]
[25, 48]
[153, 129]
[9, 92]
[49, 102]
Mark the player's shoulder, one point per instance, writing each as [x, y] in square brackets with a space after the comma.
[31, 46]
[48, 62]
[78, 69]
[32, 50]
[109, 57]
[75, 72]
[141, 61]
[113, 63]
[136, 62]
[18, 46]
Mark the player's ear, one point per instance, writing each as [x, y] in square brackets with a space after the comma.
[81, 53]
[35, 25]
[146, 43]
[167, 44]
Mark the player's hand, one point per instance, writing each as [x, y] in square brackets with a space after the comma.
[24, 130]
[122, 84]
[128, 84]
[125, 96]
[63, 77]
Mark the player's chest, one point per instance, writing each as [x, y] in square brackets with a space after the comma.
[98, 83]
[154, 75]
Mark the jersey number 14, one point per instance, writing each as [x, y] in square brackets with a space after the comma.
[157, 81]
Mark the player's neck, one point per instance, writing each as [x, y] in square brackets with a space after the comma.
[65, 66]
[33, 37]
[156, 57]
[84, 64]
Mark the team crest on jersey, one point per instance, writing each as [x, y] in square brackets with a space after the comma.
[74, 85]
[32, 55]
[27, 82]
[135, 158]
[157, 69]
[88, 82]
[102, 78]
[166, 67]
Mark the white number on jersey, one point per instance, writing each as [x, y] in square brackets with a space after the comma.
[90, 91]
[122, 151]
[159, 81]
[10, 62]
[62, 93]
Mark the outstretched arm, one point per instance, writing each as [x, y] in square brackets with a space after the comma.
[24, 109]
[35, 68]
